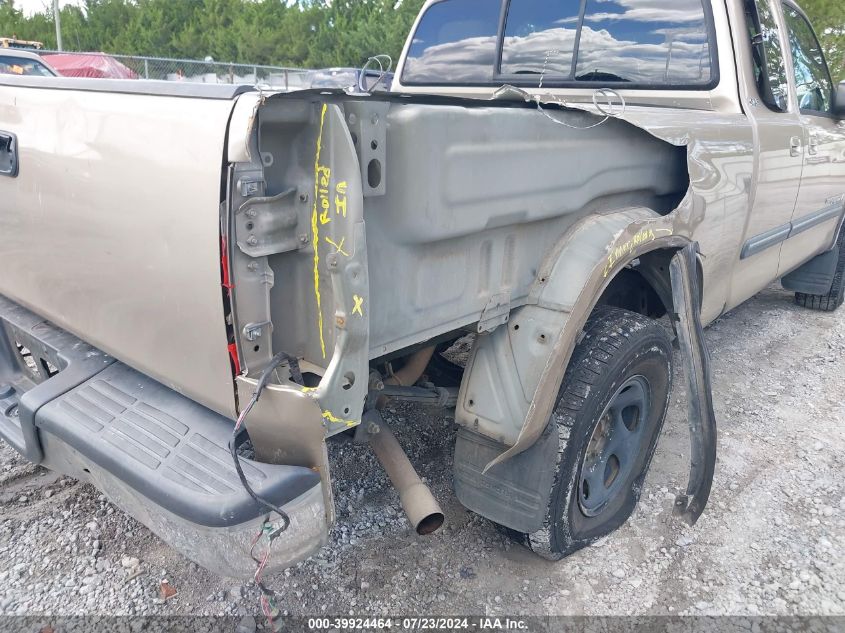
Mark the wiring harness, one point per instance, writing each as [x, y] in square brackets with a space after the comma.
[267, 529]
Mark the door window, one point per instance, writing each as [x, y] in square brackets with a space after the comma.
[813, 84]
[769, 63]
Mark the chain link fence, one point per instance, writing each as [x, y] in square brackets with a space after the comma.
[192, 70]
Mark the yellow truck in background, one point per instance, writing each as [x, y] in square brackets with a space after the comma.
[13, 42]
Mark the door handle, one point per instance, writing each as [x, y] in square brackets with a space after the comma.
[795, 146]
[813, 147]
[8, 154]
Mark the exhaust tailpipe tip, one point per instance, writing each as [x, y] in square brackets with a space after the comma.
[419, 504]
[422, 509]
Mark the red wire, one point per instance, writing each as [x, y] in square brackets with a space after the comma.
[260, 570]
[255, 539]
[265, 603]
[241, 419]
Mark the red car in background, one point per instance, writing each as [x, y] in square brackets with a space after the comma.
[97, 65]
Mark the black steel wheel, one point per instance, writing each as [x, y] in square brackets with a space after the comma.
[608, 417]
[613, 448]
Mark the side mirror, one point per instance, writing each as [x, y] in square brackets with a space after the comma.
[839, 101]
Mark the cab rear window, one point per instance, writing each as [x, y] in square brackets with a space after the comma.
[455, 43]
[650, 44]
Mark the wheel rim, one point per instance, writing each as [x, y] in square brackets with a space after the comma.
[614, 446]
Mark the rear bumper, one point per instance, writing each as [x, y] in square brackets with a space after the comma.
[224, 550]
[160, 456]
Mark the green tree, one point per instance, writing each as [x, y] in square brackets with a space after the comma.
[37, 27]
[828, 18]
[310, 33]
[351, 31]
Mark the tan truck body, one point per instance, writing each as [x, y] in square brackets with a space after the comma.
[190, 233]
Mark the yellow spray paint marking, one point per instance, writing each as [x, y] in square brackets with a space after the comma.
[340, 198]
[359, 305]
[329, 416]
[324, 177]
[643, 237]
[315, 230]
[308, 389]
[338, 247]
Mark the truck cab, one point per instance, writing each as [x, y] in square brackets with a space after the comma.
[754, 65]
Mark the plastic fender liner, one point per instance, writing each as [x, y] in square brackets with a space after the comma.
[702, 418]
[573, 277]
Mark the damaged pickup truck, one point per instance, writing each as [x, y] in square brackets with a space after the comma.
[203, 285]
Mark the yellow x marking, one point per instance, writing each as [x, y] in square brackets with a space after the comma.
[339, 247]
[359, 305]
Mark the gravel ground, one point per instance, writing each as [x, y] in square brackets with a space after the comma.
[770, 542]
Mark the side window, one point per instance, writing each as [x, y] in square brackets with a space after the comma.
[769, 63]
[814, 86]
[455, 43]
[22, 66]
[653, 43]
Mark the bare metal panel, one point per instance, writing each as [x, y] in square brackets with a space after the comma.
[111, 228]
[471, 200]
[477, 196]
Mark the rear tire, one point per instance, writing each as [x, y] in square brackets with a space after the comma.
[833, 299]
[608, 416]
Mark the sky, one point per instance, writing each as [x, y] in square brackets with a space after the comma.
[33, 6]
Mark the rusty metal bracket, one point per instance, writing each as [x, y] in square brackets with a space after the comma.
[702, 418]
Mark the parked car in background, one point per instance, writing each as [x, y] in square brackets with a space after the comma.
[23, 63]
[90, 65]
[13, 42]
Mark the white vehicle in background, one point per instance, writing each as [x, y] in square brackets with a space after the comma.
[23, 63]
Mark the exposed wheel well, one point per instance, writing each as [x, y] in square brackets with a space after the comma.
[645, 287]
[631, 291]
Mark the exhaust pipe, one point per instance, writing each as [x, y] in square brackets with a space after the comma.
[414, 368]
[419, 504]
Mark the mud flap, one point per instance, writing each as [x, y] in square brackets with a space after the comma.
[702, 418]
